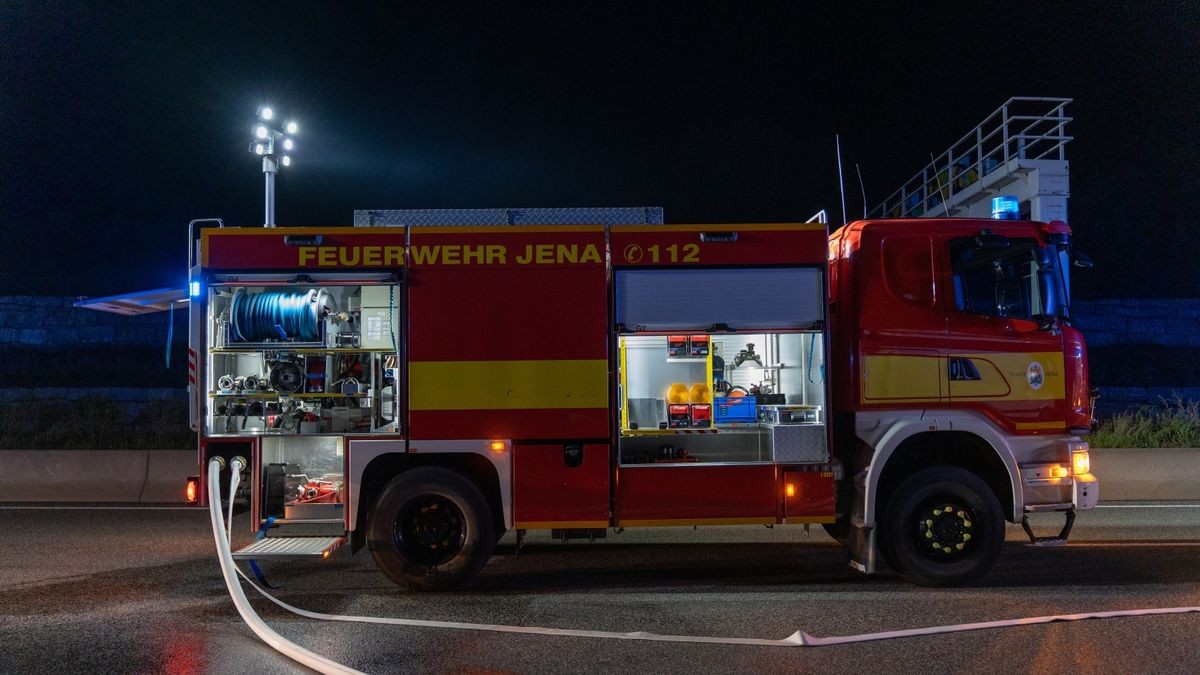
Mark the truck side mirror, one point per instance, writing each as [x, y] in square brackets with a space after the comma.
[1048, 290]
[1081, 259]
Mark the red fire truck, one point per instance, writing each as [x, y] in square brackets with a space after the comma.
[423, 388]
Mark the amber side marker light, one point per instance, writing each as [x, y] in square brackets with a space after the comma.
[1058, 472]
[1081, 462]
[790, 489]
[496, 446]
[192, 491]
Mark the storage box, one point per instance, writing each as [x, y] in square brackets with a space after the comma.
[790, 414]
[698, 346]
[679, 416]
[735, 409]
[677, 346]
[294, 511]
[800, 443]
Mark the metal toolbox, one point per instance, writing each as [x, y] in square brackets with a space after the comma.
[790, 414]
[801, 443]
[313, 511]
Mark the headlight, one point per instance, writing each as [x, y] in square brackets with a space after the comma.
[1081, 462]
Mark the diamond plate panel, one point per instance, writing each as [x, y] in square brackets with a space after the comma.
[642, 215]
[799, 443]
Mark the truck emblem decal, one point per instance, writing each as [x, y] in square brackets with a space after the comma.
[1035, 375]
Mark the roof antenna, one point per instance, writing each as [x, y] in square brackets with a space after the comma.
[841, 181]
[942, 191]
[862, 189]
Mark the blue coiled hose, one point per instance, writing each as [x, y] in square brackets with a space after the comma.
[257, 317]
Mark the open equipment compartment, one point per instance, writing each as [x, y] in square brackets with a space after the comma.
[302, 358]
[721, 366]
[304, 478]
[762, 403]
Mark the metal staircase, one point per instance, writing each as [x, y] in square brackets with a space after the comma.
[1018, 150]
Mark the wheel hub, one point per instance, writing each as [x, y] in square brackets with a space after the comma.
[429, 530]
[945, 529]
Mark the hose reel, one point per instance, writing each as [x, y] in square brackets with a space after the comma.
[270, 316]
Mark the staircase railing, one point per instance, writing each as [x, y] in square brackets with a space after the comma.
[1024, 128]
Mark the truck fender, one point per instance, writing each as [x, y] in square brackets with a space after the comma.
[885, 431]
[362, 451]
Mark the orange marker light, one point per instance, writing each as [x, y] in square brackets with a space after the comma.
[191, 491]
[1058, 471]
[790, 489]
[496, 446]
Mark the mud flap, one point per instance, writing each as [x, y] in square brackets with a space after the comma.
[862, 538]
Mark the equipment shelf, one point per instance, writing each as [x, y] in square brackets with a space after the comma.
[745, 428]
[214, 394]
[300, 350]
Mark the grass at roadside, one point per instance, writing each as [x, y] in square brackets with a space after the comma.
[1172, 423]
[95, 423]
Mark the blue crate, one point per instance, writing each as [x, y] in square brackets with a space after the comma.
[735, 409]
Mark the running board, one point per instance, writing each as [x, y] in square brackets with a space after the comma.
[290, 548]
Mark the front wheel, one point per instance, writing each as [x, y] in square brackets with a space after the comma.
[430, 529]
[942, 527]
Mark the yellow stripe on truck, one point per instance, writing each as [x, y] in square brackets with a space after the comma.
[508, 385]
[1042, 426]
[908, 378]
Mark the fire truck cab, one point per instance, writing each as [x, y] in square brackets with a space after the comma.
[423, 386]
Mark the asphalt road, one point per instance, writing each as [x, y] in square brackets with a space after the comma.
[137, 590]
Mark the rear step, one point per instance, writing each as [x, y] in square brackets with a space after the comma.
[290, 548]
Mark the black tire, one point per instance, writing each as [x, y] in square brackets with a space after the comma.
[942, 527]
[430, 529]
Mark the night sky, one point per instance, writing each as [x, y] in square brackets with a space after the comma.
[121, 122]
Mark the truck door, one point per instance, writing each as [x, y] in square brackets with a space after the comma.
[902, 319]
[1000, 361]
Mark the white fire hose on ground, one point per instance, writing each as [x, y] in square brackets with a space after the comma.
[797, 639]
[228, 569]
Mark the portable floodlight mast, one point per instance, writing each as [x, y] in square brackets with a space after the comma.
[274, 146]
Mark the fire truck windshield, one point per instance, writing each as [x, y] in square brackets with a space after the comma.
[1016, 278]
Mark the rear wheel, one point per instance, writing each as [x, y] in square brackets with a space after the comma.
[943, 526]
[430, 529]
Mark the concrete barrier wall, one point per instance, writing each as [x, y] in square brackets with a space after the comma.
[1147, 473]
[157, 476]
[147, 476]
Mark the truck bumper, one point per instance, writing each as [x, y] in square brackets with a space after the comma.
[1085, 492]
[1063, 485]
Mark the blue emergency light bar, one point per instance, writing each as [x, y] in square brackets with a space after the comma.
[1006, 207]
